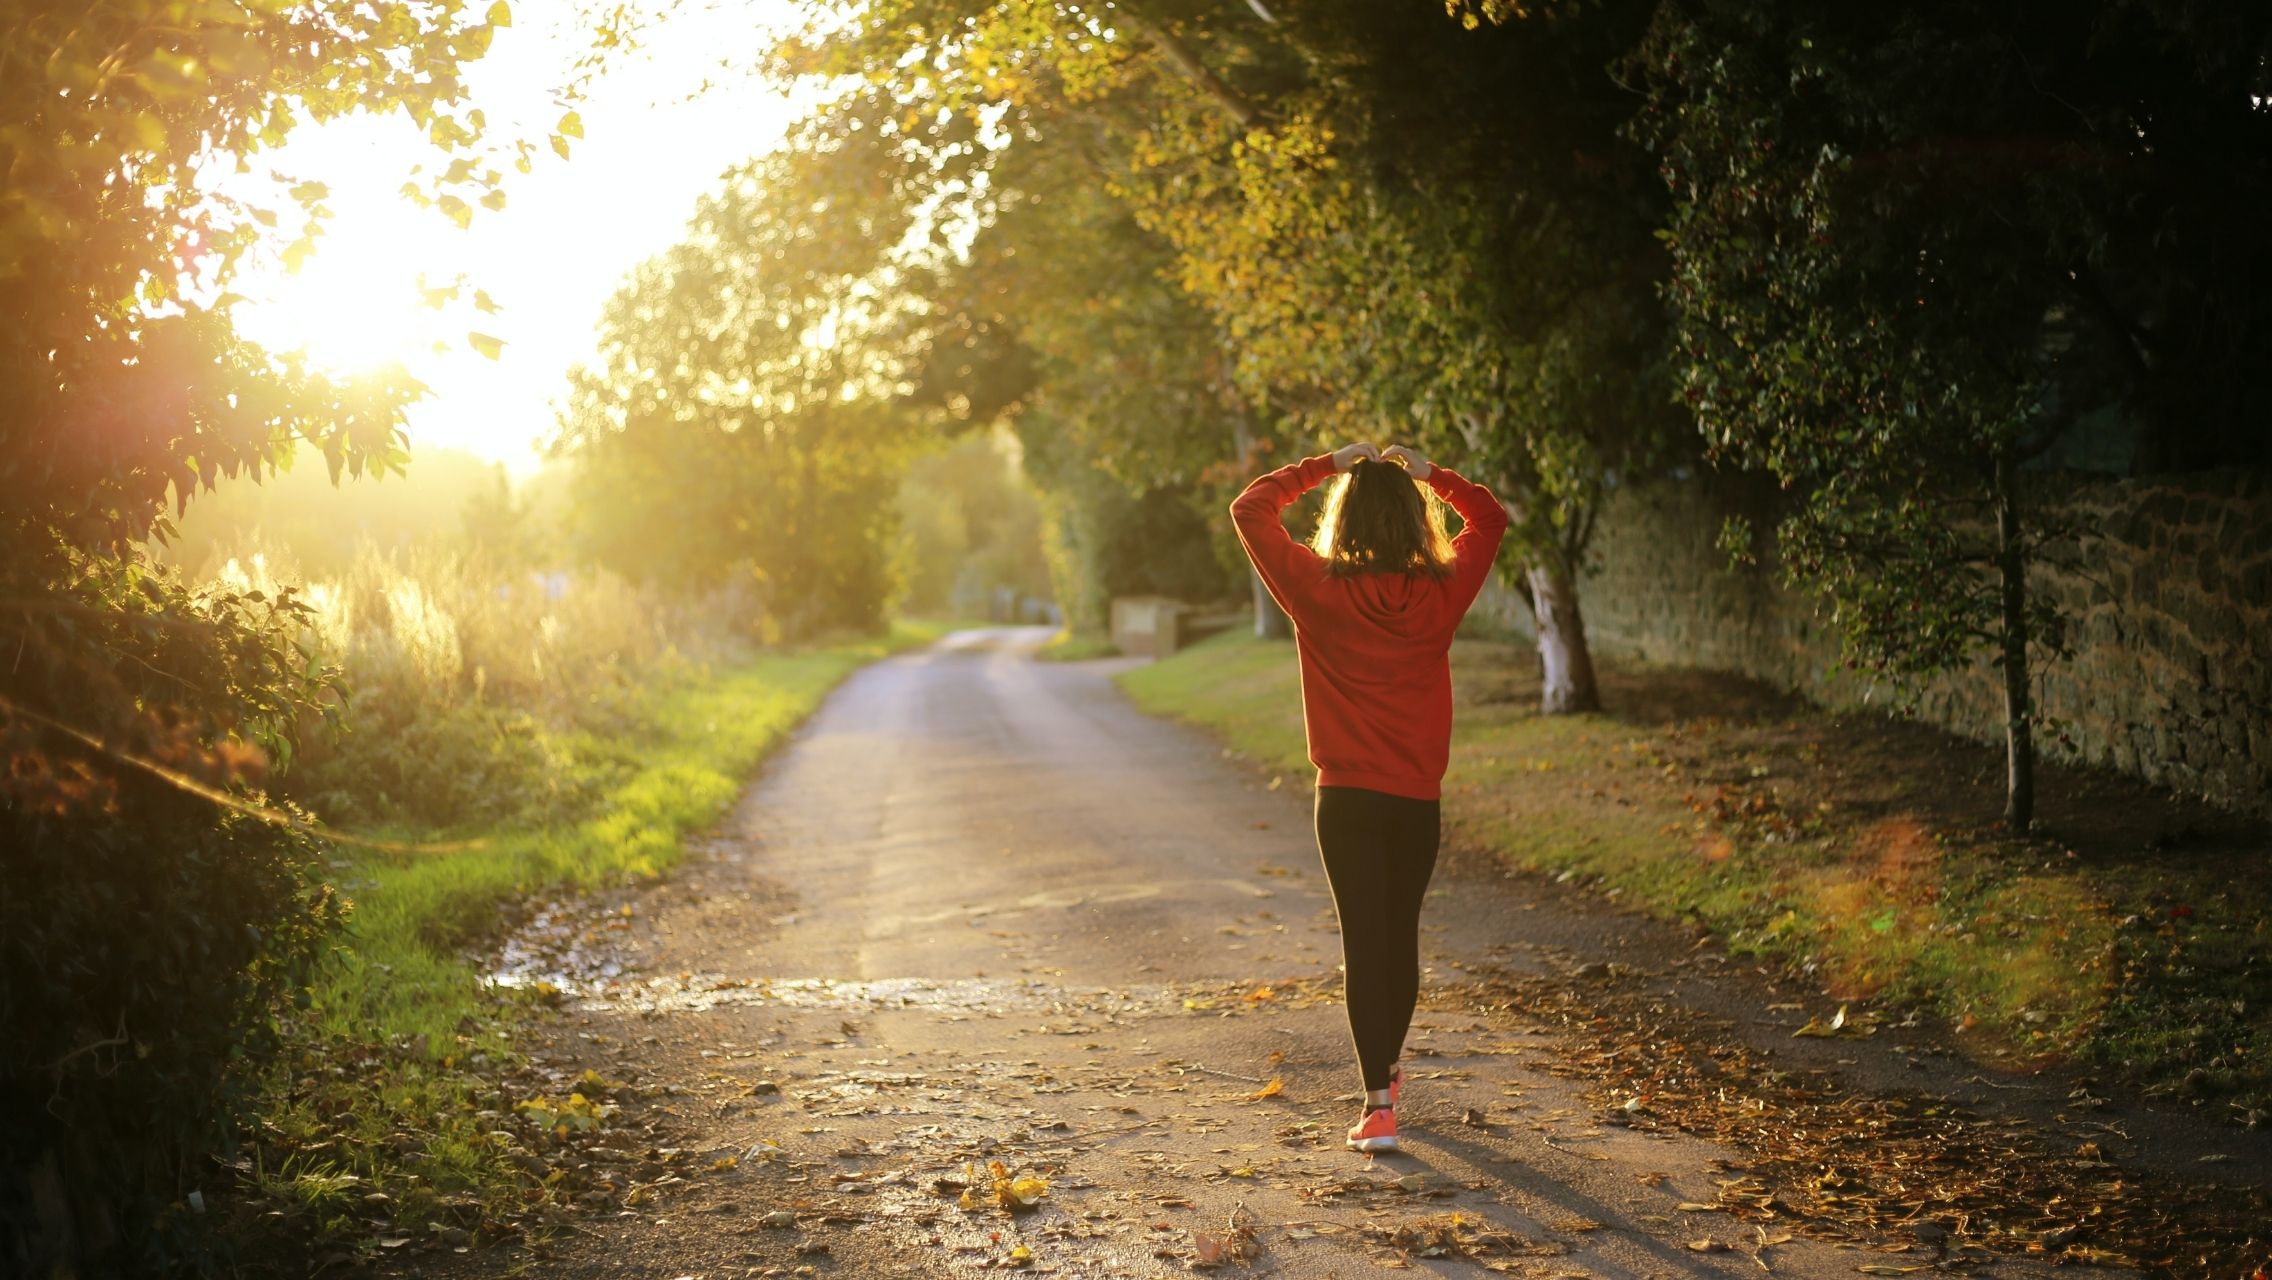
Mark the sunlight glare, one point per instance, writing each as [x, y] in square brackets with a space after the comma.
[356, 305]
[566, 237]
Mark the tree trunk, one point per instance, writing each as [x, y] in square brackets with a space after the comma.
[1270, 621]
[1569, 684]
[2019, 714]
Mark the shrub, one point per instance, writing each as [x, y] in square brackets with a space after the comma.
[151, 919]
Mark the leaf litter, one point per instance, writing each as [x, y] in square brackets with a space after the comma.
[1846, 1164]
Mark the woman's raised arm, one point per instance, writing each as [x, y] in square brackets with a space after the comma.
[1287, 567]
[1484, 525]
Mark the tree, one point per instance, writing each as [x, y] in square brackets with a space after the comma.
[1343, 202]
[1025, 293]
[1129, 378]
[971, 527]
[156, 907]
[743, 417]
[1391, 252]
[1914, 245]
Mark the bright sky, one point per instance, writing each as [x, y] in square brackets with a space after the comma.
[551, 257]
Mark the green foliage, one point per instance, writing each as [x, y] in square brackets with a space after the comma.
[1070, 646]
[179, 919]
[1912, 248]
[1348, 248]
[1133, 423]
[148, 927]
[1104, 541]
[117, 253]
[1128, 375]
[971, 525]
[142, 982]
[741, 424]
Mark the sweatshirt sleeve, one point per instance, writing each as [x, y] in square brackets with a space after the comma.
[1484, 519]
[1288, 568]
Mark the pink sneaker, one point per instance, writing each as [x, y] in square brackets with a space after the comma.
[1376, 1132]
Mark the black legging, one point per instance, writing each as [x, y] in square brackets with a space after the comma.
[1379, 852]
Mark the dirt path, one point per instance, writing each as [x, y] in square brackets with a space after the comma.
[981, 910]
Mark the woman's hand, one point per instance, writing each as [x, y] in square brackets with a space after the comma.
[1350, 455]
[1413, 462]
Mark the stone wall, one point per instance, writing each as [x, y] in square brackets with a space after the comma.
[2170, 605]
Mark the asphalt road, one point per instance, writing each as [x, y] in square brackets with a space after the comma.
[982, 909]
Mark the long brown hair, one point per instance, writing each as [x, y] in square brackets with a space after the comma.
[1377, 519]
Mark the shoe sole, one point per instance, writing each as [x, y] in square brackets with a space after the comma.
[1370, 1145]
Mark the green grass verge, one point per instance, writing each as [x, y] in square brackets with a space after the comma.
[393, 1082]
[1857, 850]
[1071, 646]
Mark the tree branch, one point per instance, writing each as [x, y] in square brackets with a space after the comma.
[183, 782]
[1186, 62]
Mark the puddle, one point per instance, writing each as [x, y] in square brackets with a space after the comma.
[556, 948]
[694, 993]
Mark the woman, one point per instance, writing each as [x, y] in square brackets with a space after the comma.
[1375, 597]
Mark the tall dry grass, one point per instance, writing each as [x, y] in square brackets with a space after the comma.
[479, 693]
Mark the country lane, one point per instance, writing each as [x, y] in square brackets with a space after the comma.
[980, 909]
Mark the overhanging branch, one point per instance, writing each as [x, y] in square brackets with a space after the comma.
[1187, 64]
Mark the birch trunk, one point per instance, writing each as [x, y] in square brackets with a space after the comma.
[2019, 711]
[1569, 667]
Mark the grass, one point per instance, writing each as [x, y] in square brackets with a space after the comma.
[2125, 933]
[403, 1059]
[1071, 646]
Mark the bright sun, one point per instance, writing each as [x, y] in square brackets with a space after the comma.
[356, 304]
[568, 233]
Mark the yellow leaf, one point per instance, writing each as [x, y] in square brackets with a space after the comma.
[500, 14]
[1276, 1086]
[1021, 1194]
[572, 125]
[485, 344]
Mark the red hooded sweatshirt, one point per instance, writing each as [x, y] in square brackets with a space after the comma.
[1375, 647]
